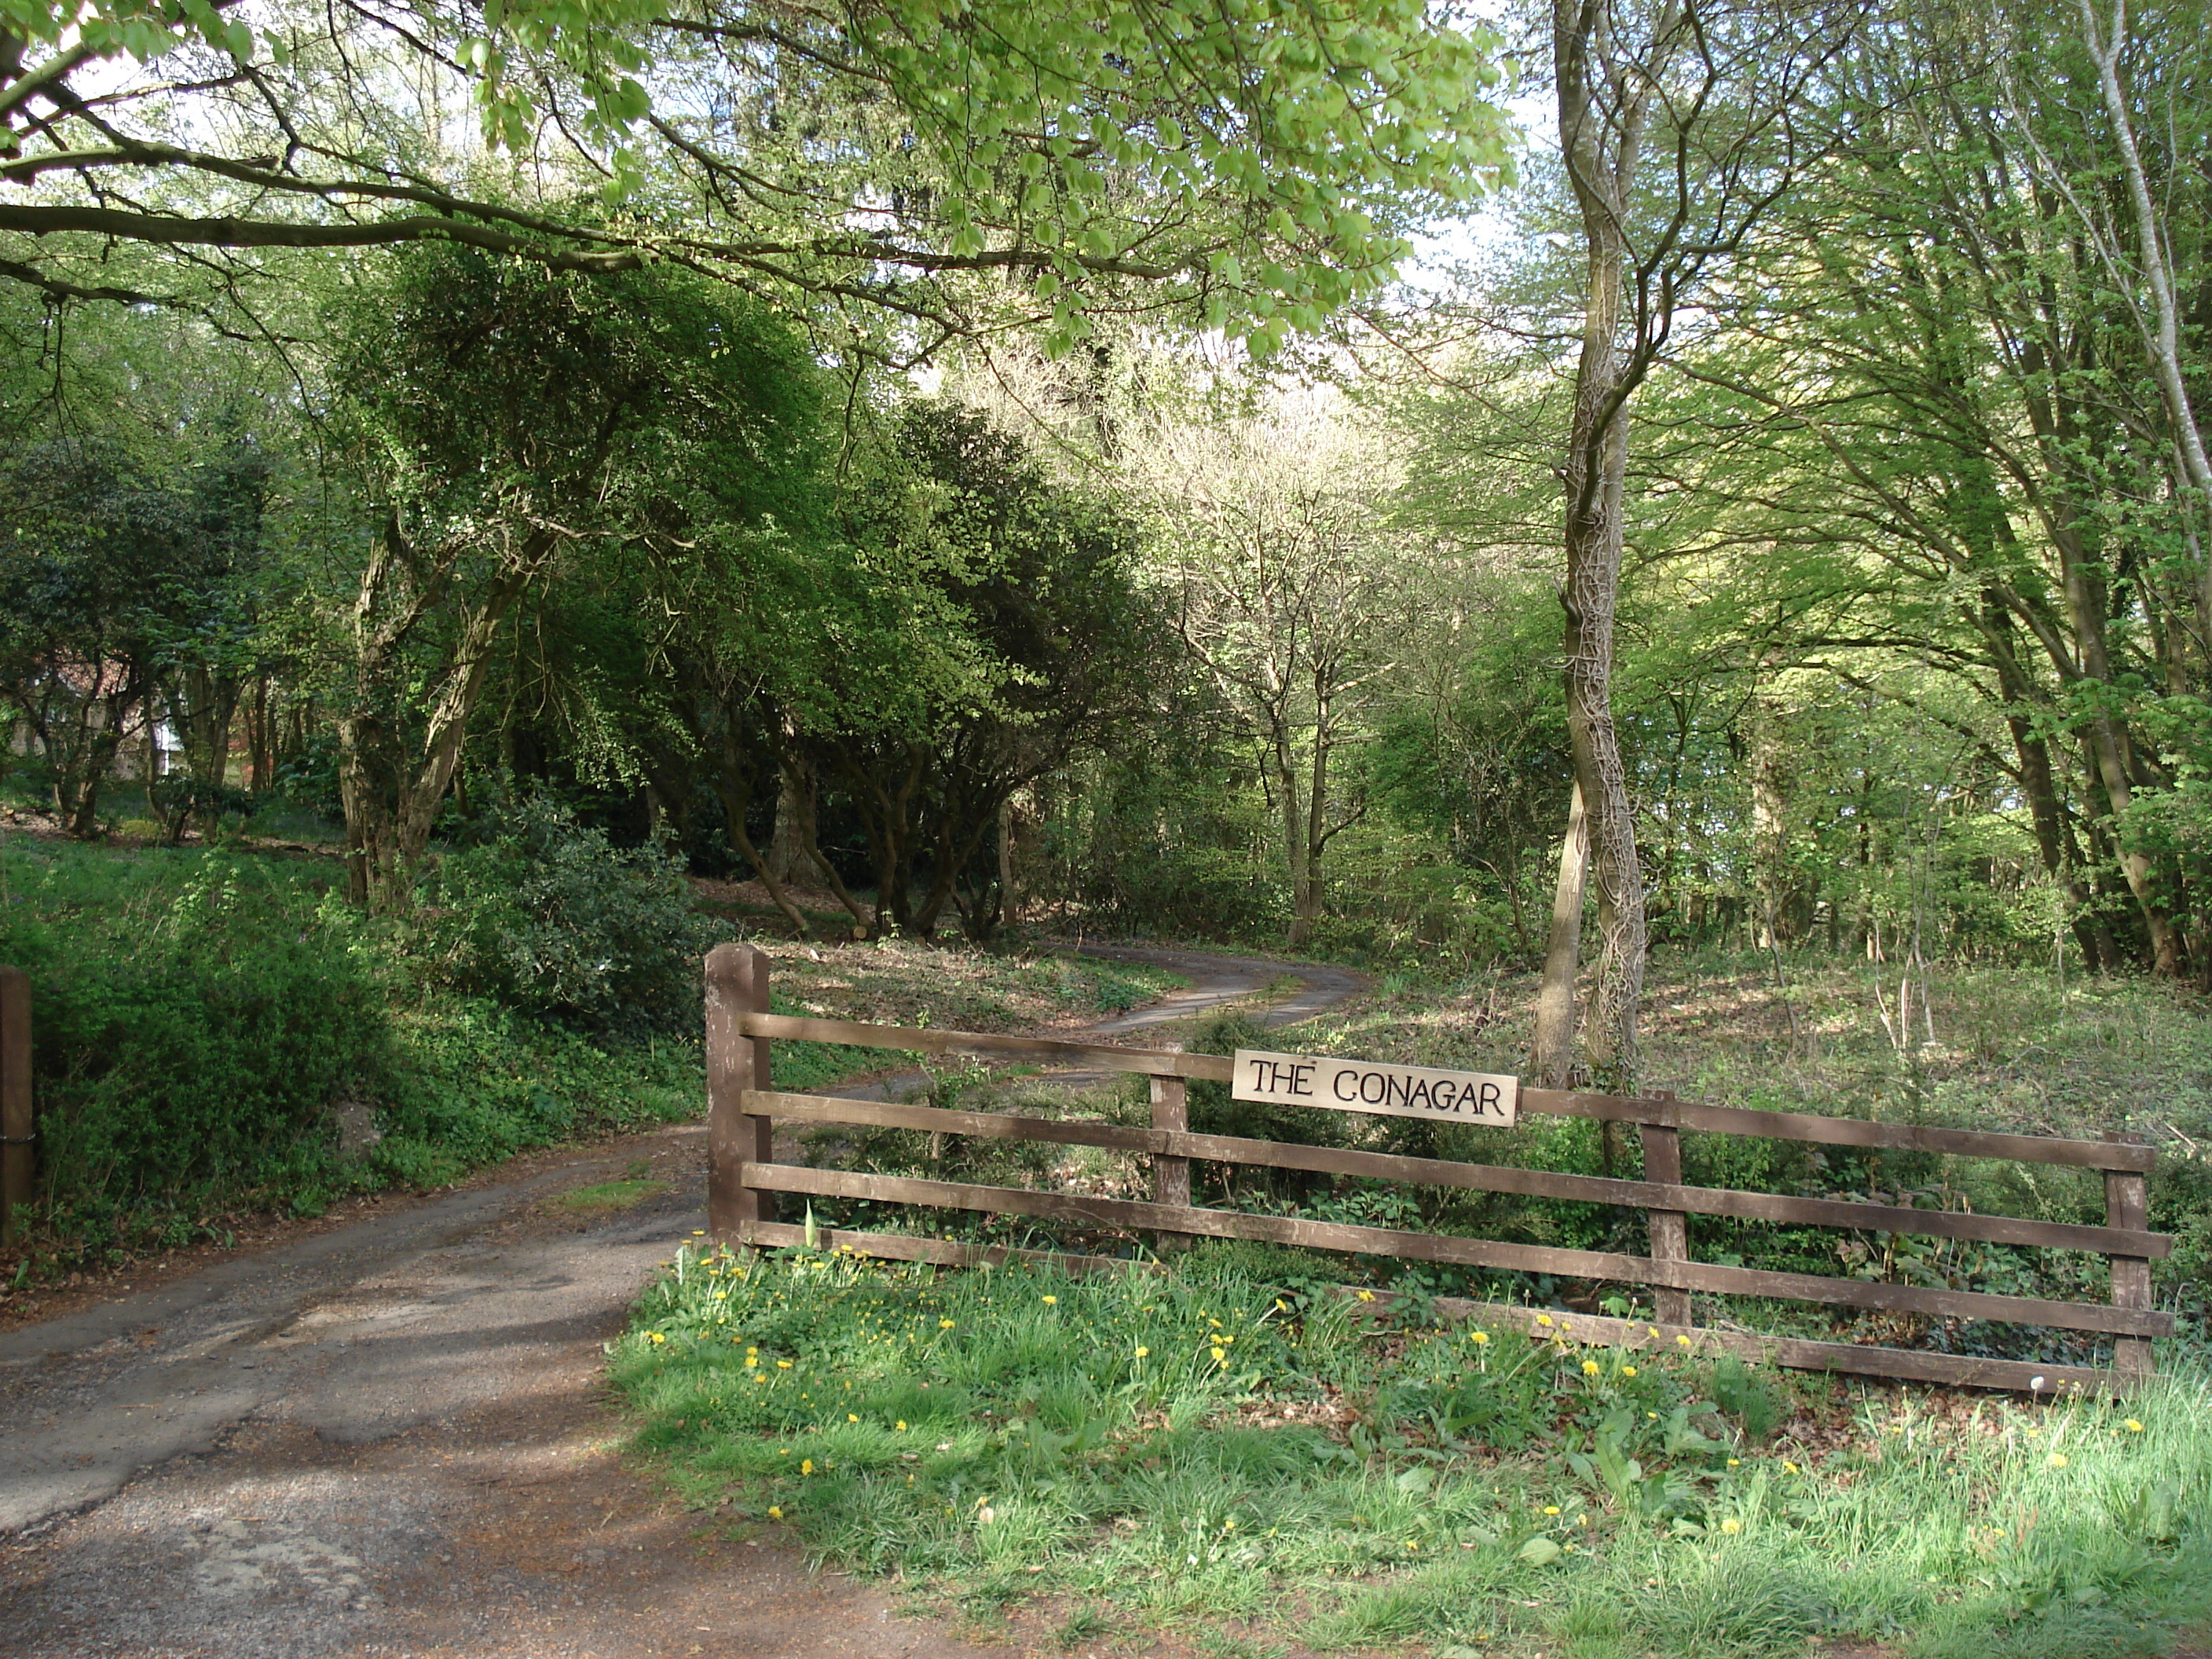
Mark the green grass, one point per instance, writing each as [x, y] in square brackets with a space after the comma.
[602, 1197]
[1144, 1450]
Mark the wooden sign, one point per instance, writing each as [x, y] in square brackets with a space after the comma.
[1484, 1098]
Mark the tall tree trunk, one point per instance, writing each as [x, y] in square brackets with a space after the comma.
[1295, 845]
[809, 839]
[794, 810]
[1553, 1060]
[2110, 746]
[2159, 323]
[392, 790]
[81, 734]
[260, 745]
[1306, 897]
[1603, 106]
[733, 784]
[1770, 814]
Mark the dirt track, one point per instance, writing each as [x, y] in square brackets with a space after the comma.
[390, 1438]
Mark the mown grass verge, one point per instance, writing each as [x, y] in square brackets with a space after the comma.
[1145, 1452]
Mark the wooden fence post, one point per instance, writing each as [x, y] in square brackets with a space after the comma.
[17, 1135]
[737, 983]
[1669, 1228]
[2127, 1204]
[1171, 1175]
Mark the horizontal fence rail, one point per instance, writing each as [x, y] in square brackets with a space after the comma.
[747, 1175]
[1655, 1109]
[1481, 1177]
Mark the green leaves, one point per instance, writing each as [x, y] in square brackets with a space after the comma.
[1315, 129]
[876, 158]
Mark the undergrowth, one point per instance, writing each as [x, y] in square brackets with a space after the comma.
[1133, 1450]
[206, 1019]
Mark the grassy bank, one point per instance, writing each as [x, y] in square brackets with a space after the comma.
[216, 1033]
[1192, 1458]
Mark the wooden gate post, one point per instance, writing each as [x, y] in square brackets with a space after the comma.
[1171, 1175]
[17, 1136]
[2127, 1204]
[737, 983]
[1669, 1228]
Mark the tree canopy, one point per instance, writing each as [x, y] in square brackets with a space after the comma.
[914, 167]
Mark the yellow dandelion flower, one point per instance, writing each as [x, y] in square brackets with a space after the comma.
[901, 1424]
[1142, 1352]
[943, 1324]
[1367, 1296]
[1735, 1462]
[1219, 1355]
[655, 1337]
[806, 1466]
[1654, 1329]
[1589, 1368]
[783, 1364]
[1731, 1526]
[1628, 1370]
[752, 1360]
[775, 1512]
[1789, 1467]
[1479, 1338]
[1551, 1509]
[2132, 1426]
[2056, 1459]
[1543, 1319]
[850, 1418]
[1682, 1340]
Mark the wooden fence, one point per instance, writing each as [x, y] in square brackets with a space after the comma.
[745, 1177]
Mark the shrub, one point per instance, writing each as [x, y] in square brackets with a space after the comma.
[544, 915]
[191, 1041]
